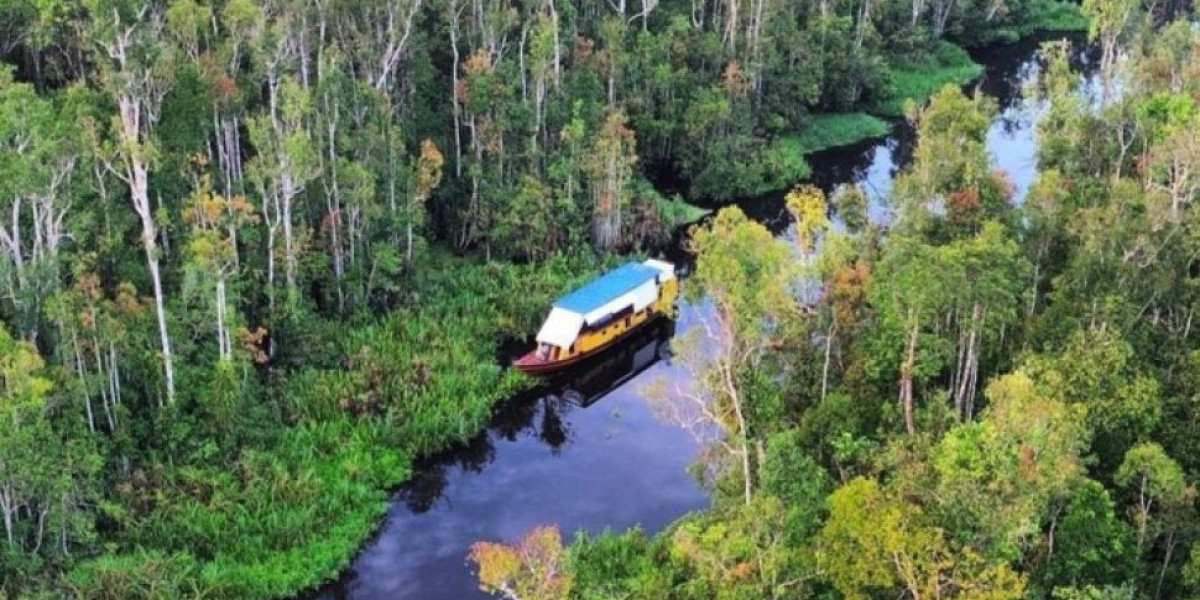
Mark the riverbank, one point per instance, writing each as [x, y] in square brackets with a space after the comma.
[788, 155]
[918, 79]
[296, 506]
[1042, 17]
[914, 80]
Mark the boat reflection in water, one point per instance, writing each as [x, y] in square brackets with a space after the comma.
[594, 379]
[583, 451]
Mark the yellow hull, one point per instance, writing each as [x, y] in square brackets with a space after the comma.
[595, 340]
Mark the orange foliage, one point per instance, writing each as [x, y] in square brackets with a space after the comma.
[964, 206]
[742, 570]
[735, 81]
[531, 570]
[1010, 188]
[253, 342]
[429, 169]
[848, 292]
[584, 47]
[127, 300]
[478, 62]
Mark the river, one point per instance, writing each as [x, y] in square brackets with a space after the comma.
[586, 452]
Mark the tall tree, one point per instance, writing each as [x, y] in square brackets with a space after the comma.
[748, 278]
[136, 75]
[611, 168]
[40, 143]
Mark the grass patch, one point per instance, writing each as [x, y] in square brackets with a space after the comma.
[919, 79]
[785, 161]
[283, 519]
[1042, 17]
[677, 212]
[1052, 16]
[831, 130]
[670, 212]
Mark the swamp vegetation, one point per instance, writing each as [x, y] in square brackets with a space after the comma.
[256, 257]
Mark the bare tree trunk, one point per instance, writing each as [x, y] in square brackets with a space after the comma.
[968, 362]
[825, 368]
[224, 341]
[457, 108]
[80, 372]
[1162, 574]
[732, 8]
[138, 100]
[137, 177]
[743, 431]
[7, 507]
[398, 34]
[164, 337]
[906, 379]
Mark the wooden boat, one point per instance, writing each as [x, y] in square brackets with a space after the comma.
[596, 316]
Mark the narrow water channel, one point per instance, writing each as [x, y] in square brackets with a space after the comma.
[586, 452]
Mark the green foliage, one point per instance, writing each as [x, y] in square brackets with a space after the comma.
[1091, 592]
[999, 476]
[746, 272]
[1053, 16]
[784, 166]
[296, 506]
[742, 553]
[45, 480]
[788, 473]
[916, 79]
[1034, 18]
[623, 565]
[285, 519]
[785, 157]
[831, 130]
[926, 283]
[1098, 370]
[1153, 474]
[951, 188]
[141, 575]
[1091, 544]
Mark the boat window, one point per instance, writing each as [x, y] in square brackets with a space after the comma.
[571, 350]
[628, 320]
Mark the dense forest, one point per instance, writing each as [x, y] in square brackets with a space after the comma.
[980, 399]
[257, 255]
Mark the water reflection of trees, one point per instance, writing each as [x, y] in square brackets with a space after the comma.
[542, 415]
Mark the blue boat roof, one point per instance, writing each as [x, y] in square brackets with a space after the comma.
[606, 288]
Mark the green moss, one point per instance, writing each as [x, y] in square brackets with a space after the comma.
[918, 79]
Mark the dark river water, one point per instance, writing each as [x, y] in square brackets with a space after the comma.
[586, 452]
